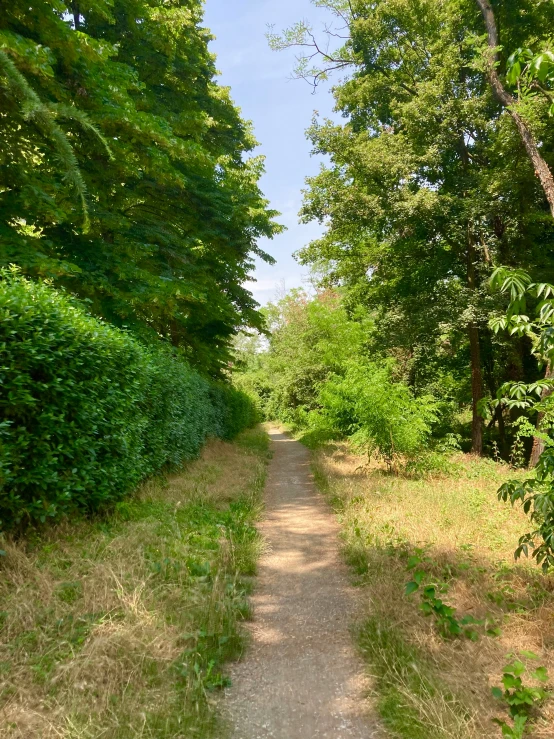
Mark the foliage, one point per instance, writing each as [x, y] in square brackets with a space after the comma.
[131, 616]
[426, 186]
[532, 74]
[88, 411]
[536, 494]
[521, 699]
[444, 615]
[311, 339]
[125, 169]
[380, 415]
[315, 376]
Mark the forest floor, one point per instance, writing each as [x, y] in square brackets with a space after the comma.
[427, 682]
[301, 677]
[119, 626]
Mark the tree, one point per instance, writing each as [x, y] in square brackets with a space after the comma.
[124, 169]
[428, 183]
[535, 494]
[542, 170]
[311, 339]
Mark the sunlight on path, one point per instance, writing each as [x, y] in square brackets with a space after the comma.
[300, 679]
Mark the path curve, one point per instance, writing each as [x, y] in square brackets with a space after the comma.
[300, 678]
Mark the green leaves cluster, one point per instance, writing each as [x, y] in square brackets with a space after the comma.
[379, 414]
[317, 374]
[88, 411]
[521, 699]
[535, 494]
[125, 169]
[444, 615]
[533, 74]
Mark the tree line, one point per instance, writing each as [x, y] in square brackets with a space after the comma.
[439, 170]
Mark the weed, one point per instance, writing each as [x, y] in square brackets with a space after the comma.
[521, 699]
[431, 605]
[121, 626]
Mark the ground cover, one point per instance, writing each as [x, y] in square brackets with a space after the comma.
[431, 683]
[119, 626]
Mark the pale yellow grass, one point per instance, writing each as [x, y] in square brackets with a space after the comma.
[469, 538]
[107, 629]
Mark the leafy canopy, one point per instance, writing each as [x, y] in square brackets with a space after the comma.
[125, 173]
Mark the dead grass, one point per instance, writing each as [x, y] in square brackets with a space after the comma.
[119, 627]
[429, 686]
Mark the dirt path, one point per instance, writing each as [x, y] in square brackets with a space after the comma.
[300, 679]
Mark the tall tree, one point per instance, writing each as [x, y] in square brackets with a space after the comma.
[125, 172]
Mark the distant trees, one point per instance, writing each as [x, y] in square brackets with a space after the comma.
[318, 374]
[124, 169]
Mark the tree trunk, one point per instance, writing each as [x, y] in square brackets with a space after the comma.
[538, 444]
[476, 390]
[475, 354]
[76, 16]
[542, 169]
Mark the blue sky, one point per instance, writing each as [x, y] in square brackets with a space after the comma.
[281, 109]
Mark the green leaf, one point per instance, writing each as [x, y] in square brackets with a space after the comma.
[541, 673]
[411, 587]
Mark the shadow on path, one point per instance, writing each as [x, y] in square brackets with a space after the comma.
[301, 678]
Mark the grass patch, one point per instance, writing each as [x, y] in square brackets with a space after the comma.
[120, 627]
[427, 685]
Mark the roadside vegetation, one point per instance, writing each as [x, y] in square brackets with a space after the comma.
[420, 367]
[88, 411]
[120, 625]
[434, 664]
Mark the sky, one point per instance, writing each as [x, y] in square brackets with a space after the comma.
[281, 109]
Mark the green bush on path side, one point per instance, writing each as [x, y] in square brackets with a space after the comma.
[87, 411]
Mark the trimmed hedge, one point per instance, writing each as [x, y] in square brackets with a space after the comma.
[87, 411]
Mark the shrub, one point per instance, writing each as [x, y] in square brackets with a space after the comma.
[380, 415]
[87, 410]
[234, 410]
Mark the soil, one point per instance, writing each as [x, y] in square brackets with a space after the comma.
[301, 677]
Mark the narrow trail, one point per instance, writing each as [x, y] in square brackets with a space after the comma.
[300, 678]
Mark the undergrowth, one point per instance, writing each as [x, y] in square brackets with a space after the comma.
[120, 627]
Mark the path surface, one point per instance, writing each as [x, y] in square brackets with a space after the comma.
[300, 678]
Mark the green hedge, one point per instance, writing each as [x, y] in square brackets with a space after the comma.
[87, 411]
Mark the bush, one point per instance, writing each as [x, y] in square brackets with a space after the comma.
[380, 415]
[88, 411]
[234, 410]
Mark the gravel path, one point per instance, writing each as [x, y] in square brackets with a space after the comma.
[300, 678]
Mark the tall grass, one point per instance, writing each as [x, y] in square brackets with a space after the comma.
[120, 626]
[427, 686]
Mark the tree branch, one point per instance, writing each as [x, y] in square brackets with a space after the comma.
[542, 169]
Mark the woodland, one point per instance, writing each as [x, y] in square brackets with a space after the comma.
[429, 323]
[135, 363]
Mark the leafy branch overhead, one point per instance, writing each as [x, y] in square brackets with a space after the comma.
[532, 146]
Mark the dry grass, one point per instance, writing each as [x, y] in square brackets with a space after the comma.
[429, 686]
[119, 627]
